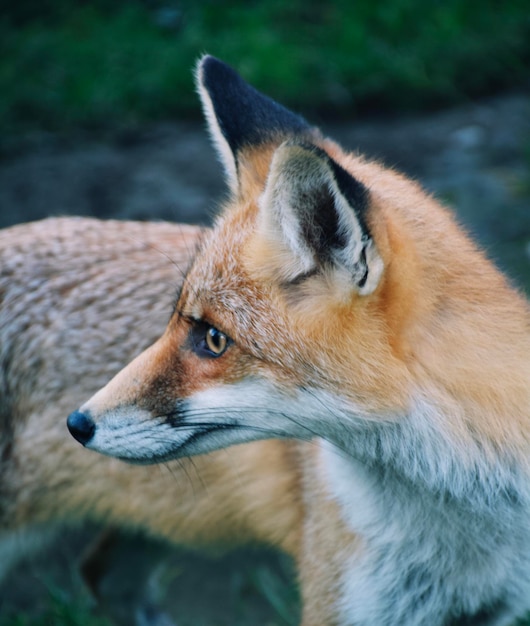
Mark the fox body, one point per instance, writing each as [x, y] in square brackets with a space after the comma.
[335, 301]
[71, 285]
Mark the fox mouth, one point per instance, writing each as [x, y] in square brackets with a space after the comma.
[220, 417]
[185, 448]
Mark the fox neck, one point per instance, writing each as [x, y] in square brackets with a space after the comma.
[426, 512]
[422, 552]
[420, 450]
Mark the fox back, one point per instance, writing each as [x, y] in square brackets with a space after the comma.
[75, 285]
[336, 301]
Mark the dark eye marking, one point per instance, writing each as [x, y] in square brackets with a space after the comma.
[207, 341]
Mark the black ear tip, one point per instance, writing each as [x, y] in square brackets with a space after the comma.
[209, 61]
[210, 68]
[245, 116]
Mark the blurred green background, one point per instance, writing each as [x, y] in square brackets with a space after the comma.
[104, 63]
[122, 65]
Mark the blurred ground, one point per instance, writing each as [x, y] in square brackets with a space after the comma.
[476, 158]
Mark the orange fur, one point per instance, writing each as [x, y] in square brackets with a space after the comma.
[358, 314]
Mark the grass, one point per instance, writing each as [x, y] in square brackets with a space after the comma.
[60, 611]
[239, 589]
[119, 63]
[65, 611]
[73, 611]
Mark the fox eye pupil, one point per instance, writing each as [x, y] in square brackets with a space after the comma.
[216, 341]
[207, 341]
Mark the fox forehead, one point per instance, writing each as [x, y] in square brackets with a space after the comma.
[219, 290]
[216, 283]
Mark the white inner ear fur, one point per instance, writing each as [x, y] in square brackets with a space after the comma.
[224, 152]
[296, 175]
[375, 269]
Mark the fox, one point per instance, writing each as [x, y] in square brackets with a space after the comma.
[337, 304]
[70, 284]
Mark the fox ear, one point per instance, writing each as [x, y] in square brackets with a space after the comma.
[315, 210]
[241, 117]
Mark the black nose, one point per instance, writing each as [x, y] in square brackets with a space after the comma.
[81, 427]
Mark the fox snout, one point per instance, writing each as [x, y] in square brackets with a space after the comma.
[81, 427]
[135, 414]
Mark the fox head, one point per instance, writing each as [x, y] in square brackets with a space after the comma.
[325, 301]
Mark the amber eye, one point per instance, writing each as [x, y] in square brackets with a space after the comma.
[208, 342]
[216, 341]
